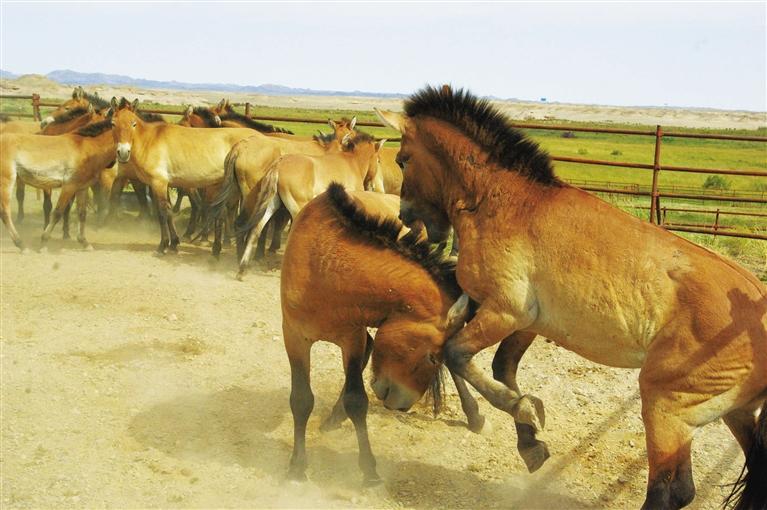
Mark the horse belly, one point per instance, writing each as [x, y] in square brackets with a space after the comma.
[196, 174]
[44, 176]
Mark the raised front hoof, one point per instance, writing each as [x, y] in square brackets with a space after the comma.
[535, 456]
[478, 424]
[529, 410]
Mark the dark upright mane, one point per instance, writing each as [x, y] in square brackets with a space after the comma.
[252, 124]
[384, 231]
[488, 127]
[96, 128]
[359, 137]
[98, 103]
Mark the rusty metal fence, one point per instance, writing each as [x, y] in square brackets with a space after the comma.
[656, 212]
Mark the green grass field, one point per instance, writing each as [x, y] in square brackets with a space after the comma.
[611, 147]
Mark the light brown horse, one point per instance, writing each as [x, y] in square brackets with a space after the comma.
[70, 161]
[295, 179]
[170, 155]
[543, 257]
[249, 161]
[80, 99]
[380, 279]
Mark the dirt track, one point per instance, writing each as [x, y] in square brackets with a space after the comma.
[131, 380]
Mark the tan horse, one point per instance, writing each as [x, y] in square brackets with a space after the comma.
[546, 258]
[170, 155]
[396, 285]
[71, 161]
[80, 99]
[249, 161]
[18, 126]
[295, 179]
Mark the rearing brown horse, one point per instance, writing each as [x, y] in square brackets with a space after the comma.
[543, 257]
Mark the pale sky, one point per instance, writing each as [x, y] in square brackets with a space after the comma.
[680, 54]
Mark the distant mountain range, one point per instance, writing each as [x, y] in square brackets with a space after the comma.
[68, 77]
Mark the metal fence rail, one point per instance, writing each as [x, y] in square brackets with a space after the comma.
[654, 192]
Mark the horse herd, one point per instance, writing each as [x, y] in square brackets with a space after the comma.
[537, 257]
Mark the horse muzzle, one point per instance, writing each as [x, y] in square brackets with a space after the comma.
[44, 123]
[123, 152]
[395, 397]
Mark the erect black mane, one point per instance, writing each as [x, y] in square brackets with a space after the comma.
[70, 114]
[488, 127]
[384, 231]
[252, 124]
[98, 103]
[96, 128]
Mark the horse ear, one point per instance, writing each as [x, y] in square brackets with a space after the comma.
[380, 144]
[227, 106]
[113, 102]
[353, 122]
[220, 105]
[332, 124]
[458, 313]
[74, 93]
[90, 108]
[188, 112]
[346, 140]
[134, 105]
[80, 92]
[110, 111]
[392, 119]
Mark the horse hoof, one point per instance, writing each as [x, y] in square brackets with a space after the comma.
[87, 247]
[186, 239]
[478, 426]
[43, 249]
[535, 456]
[295, 476]
[240, 275]
[372, 481]
[24, 250]
[331, 423]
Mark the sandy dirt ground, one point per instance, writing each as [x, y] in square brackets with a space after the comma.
[136, 381]
[519, 110]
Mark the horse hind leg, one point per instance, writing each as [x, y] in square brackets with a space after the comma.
[65, 223]
[281, 219]
[47, 207]
[301, 399]
[5, 213]
[505, 365]
[669, 440]
[82, 212]
[20, 200]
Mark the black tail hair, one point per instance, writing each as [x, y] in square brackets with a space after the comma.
[437, 390]
[749, 492]
[229, 186]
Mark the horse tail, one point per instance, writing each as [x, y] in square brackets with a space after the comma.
[749, 492]
[229, 186]
[266, 193]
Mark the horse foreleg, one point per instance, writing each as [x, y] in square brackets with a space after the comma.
[20, 200]
[62, 205]
[669, 441]
[160, 194]
[47, 206]
[82, 212]
[505, 365]
[193, 216]
[114, 197]
[140, 190]
[179, 197]
[65, 224]
[338, 414]
[488, 327]
[469, 405]
[301, 399]
[356, 403]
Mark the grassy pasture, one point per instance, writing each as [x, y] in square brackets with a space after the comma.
[602, 146]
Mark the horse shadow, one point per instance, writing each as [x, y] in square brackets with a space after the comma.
[240, 426]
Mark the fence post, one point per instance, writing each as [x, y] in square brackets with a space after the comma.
[247, 109]
[655, 198]
[36, 107]
[716, 221]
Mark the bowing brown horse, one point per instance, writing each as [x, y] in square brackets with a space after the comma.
[381, 278]
[610, 287]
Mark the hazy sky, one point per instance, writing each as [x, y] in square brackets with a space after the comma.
[681, 54]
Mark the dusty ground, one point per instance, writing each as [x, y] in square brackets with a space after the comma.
[520, 110]
[130, 380]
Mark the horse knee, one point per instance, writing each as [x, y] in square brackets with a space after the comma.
[301, 403]
[456, 357]
[355, 404]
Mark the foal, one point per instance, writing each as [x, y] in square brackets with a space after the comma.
[346, 268]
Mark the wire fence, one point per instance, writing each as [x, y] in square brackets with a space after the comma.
[656, 211]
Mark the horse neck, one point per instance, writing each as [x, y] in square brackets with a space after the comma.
[101, 146]
[467, 179]
[359, 159]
